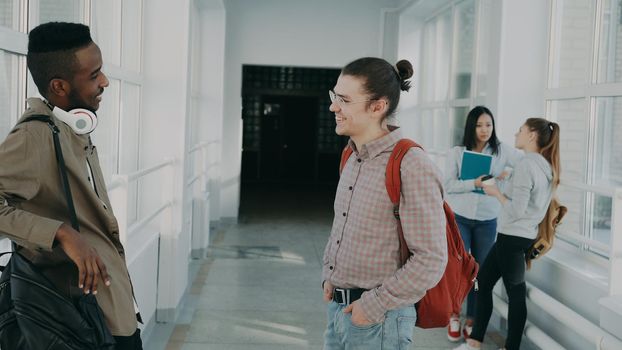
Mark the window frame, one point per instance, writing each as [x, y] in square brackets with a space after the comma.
[590, 91]
[16, 42]
[447, 105]
[127, 76]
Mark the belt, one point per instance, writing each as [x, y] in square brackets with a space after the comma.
[345, 296]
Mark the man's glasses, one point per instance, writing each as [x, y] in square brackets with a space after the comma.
[334, 98]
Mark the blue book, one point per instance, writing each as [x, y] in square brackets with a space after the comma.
[475, 165]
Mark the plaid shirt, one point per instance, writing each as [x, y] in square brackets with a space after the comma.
[363, 248]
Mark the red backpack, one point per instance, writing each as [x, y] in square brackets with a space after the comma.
[444, 299]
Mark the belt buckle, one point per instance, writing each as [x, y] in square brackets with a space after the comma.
[345, 296]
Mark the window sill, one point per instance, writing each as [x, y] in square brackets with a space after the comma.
[585, 264]
[611, 314]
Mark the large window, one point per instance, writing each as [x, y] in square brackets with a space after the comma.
[10, 88]
[584, 96]
[453, 66]
[117, 29]
[116, 26]
[12, 63]
[9, 14]
[60, 10]
[16, 18]
[463, 57]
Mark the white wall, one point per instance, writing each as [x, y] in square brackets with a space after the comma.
[522, 66]
[319, 33]
[212, 17]
[165, 114]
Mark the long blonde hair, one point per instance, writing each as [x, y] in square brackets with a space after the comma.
[548, 142]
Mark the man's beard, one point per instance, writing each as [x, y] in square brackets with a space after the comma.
[76, 102]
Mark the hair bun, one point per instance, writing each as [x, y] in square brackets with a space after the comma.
[405, 71]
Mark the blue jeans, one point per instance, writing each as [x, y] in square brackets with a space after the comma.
[478, 237]
[395, 333]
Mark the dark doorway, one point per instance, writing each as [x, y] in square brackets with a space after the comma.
[288, 140]
[289, 133]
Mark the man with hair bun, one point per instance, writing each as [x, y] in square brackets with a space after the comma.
[371, 295]
[66, 66]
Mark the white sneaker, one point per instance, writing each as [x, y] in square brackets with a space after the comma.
[466, 331]
[453, 329]
[465, 346]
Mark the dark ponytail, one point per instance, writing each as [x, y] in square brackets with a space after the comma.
[404, 72]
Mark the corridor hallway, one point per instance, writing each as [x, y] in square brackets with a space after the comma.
[259, 287]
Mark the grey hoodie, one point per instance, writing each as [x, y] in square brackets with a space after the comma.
[529, 193]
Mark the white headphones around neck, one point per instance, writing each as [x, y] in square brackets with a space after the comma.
[81, 120]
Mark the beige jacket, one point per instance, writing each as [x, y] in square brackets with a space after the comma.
[33, 206]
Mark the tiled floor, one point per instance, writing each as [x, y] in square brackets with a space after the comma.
[259, 287]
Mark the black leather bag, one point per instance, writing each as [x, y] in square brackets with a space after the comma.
[33, 314]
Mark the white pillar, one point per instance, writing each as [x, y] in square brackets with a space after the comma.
[166, 47]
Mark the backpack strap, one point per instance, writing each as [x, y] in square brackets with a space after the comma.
[345, 154]
[393, 179]
[61, 165]
[393, 183]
